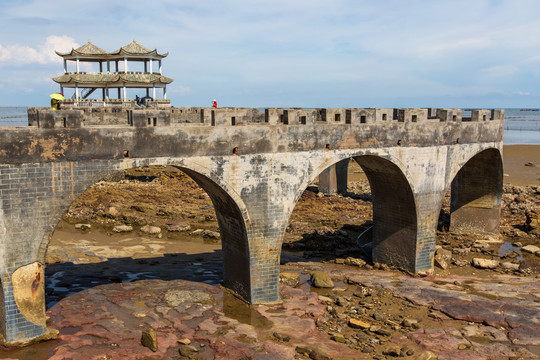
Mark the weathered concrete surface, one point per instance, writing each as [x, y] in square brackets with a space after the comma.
[410, 160]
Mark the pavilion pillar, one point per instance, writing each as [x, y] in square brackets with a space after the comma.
[160, 67]
[154, 91]
[103, 93]
[65, 66]
[77, 91]
[77, 61]
[108, 66]
[165, 91]
[145, 66]
[119, 95]
[116, 63]
[61, 89]
[100, 67]
[125, 65]
[125, 94]
[151, 65]
[147, 92]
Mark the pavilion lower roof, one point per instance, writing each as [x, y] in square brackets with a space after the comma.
[143, 79]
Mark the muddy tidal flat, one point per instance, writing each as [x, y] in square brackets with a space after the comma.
[134, 271]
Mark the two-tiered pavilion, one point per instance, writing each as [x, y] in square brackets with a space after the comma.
[84, 84]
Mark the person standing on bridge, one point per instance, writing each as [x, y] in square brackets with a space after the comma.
[214, 104]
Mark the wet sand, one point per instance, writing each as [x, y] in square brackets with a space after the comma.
[515, 171]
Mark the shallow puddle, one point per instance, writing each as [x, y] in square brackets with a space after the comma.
[243, 312]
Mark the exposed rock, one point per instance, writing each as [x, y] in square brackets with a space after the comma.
[304, 350]
[291, 279]
[151, 230]
[510, 266]
[440, 262]
[197, 232]
[426, 355]
[210, 234]
[377, 315]
[392, 350]
[444, 253]
[409, 322]
[533, 218]
[362, 291]
[177, 297]
[471, 330]
[178, 226]
[184, 341]
[113, 212]
[83, 226]
[149, 339]
[122, 228]
[285, 338]
[530, 266]
[187, 350]
[460, 263]
[318, 354]
[341, 301]
[320, 279]
[325, 299]
[484, 263]
[461, 251]
[530, 249]
[338, 338]
[354, 261]
[359, 324]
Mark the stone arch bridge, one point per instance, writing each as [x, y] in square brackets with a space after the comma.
[410, 156]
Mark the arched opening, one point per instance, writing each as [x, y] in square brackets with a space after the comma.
[476, 194]
[178, 224]
[394, 213]
[470, 210]
[383, 201]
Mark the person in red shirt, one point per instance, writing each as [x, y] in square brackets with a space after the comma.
[214, 104]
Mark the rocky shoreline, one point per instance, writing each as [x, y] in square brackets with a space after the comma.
[127, 243]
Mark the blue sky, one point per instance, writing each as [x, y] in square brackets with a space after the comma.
[386, 53]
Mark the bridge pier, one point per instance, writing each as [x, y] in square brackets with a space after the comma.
[334, 178]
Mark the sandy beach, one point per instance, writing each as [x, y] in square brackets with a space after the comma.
[515, 158]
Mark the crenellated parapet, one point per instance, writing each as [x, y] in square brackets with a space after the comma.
[119, 113]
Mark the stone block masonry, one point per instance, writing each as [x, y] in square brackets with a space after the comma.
[254, 165]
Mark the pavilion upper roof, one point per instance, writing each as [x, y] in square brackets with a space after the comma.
[90, 52]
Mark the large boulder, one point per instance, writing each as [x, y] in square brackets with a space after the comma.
[320, 279]
[533, 218]
[484, 263]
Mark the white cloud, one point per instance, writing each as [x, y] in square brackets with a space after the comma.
[43, 54]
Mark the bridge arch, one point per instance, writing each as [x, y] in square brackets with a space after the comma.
[231, 214]
[476, 191]
[394, 207]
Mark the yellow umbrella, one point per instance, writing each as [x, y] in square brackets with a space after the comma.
[57, 96]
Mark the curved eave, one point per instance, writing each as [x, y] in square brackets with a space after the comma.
[123, 53]
[112, 79]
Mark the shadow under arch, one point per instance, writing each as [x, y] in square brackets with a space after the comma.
[234, 239]
[476, 191]
[394, 212]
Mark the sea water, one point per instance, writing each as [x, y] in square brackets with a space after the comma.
[522, 126]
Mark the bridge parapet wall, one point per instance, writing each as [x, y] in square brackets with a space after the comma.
[124, 116]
